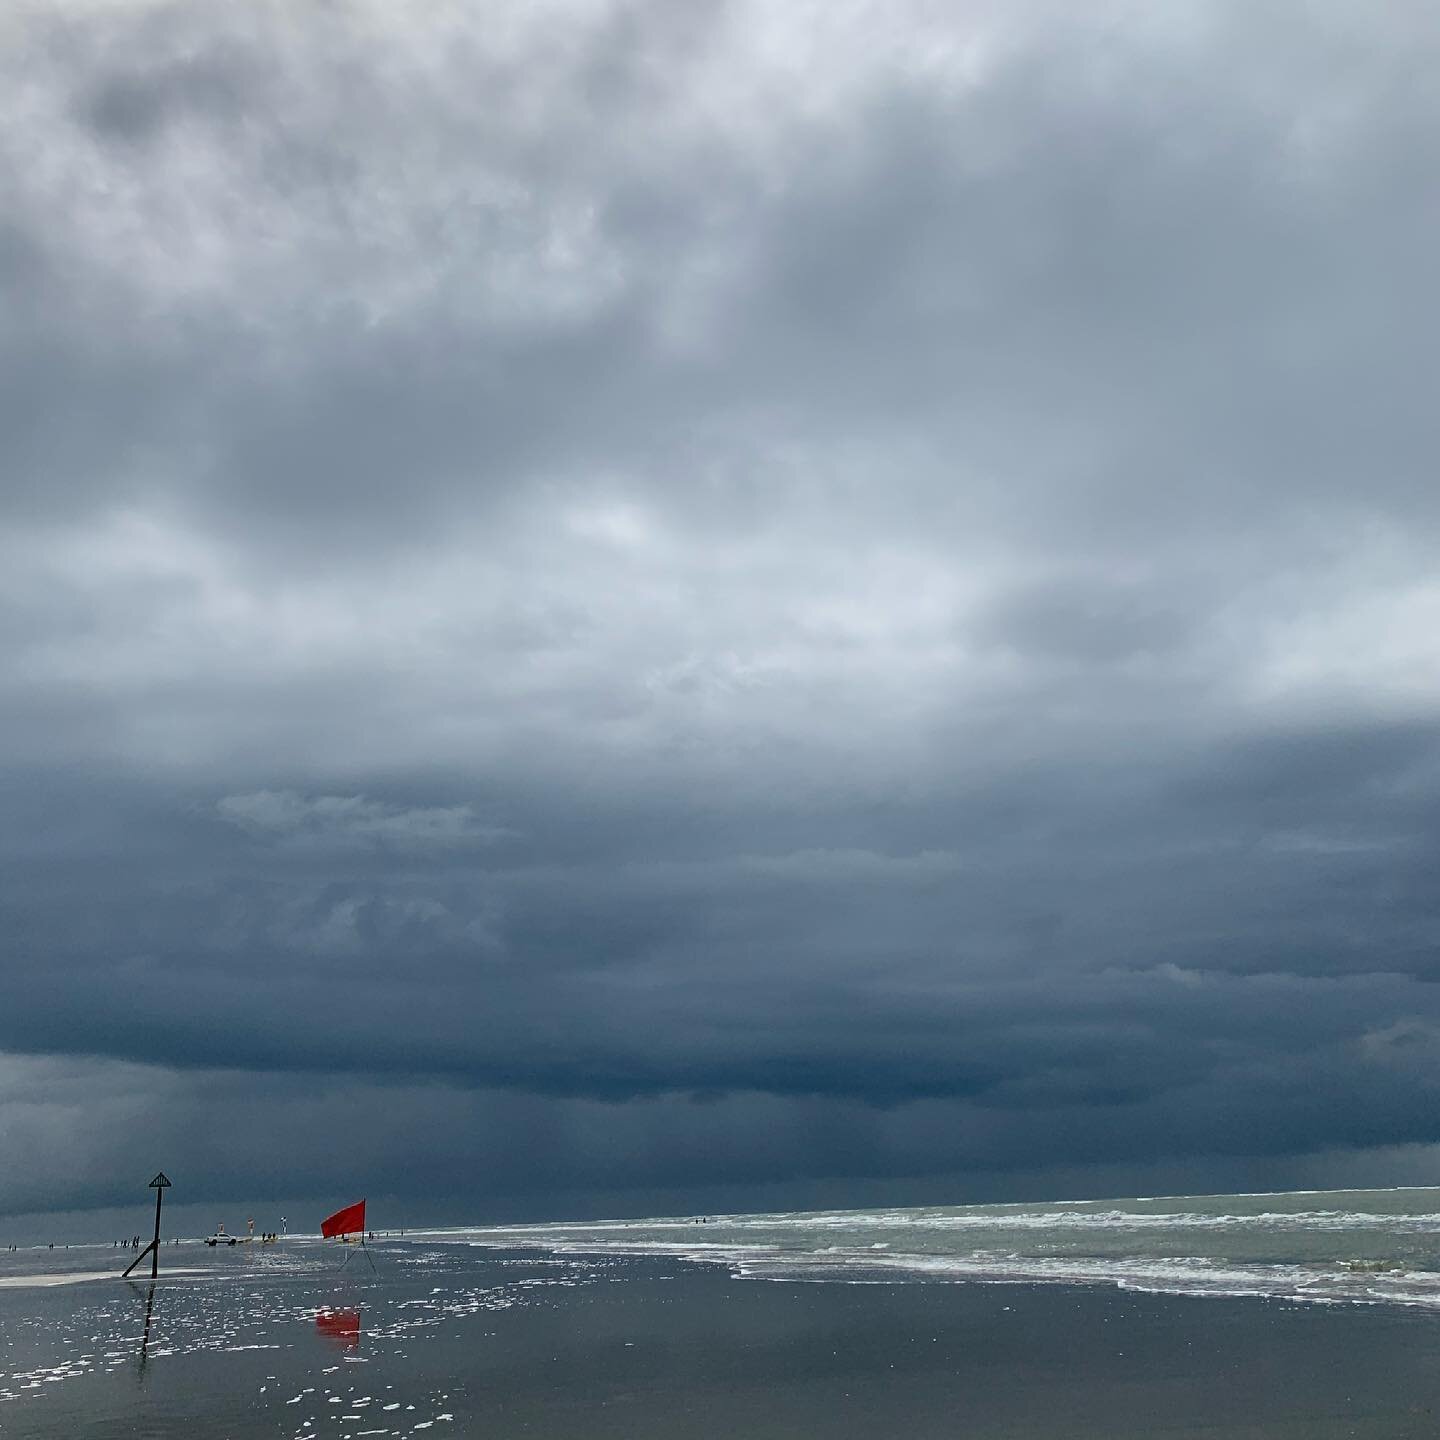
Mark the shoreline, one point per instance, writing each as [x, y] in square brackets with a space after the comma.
[458, 1340]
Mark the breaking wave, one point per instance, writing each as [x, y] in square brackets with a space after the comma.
[1343, 1247]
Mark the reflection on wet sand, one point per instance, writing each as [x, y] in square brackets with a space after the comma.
[149, 1316]
[340, 1328]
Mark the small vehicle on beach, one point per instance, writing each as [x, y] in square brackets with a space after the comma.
[221, 1238]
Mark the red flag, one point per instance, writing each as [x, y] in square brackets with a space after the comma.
[349, 1221]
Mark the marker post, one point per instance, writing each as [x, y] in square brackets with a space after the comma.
[159, 1185]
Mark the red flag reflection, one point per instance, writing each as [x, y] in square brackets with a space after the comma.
[339, 1327]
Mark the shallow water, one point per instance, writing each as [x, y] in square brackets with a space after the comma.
[448, 1335]
[1336, 1247]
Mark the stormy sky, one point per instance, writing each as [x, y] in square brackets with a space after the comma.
[614, 605]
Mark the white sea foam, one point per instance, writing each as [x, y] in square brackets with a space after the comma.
[1176, 1275]
[1095, 1220]
[1365, 1247]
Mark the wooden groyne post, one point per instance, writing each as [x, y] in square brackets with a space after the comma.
[159, 1185]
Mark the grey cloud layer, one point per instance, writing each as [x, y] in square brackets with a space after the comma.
[805, 560]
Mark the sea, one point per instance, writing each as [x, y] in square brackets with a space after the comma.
[1311, 1314]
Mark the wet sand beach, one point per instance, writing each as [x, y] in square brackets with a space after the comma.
[446, 1338]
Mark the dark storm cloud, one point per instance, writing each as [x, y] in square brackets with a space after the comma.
[718, 603]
